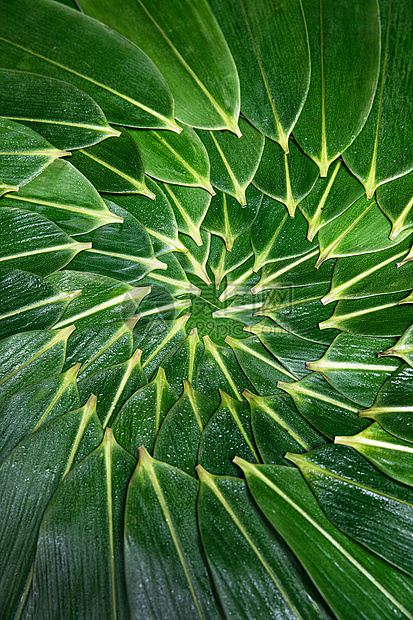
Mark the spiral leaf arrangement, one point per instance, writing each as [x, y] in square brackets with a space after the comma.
[206, 339]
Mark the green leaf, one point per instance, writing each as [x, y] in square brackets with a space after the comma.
[160, 304]
[403, 347]
[65, 44]
[62, 194]
[287, 177]
[329, 197]
[228, 220]
[177, 442]
[221, 261]
[381, 315]
[294, 272]
[381, 152]
[218, 368]
[181, 363]
[163, 231]
[123, 251]
[276, 236]
[100, 346]
[345, 64]
[85, 523]
[23, 153]
[395, 200]
[28, 478]
[30, 242]
[299, 311]
[29, 357]
[391, 455]
[259, 365]
[160, 522]
[287, 348]
[278, 427]
[360, 501]
[323, 407]
[234, 160]
[393, 407]
[173, 280]
[227, 434]
[157, 339]
[370, 274]
[187, 45]
[195, 259]
[361, 228]
[190, 205]
[352, 366]
[113, 166]
[177, 159]
[268, 582]
[138, 422]
[102, 300]
[353, 581]
[31, 407]
[270, 48]
[28, 302]
[71, 119]
[113, 386]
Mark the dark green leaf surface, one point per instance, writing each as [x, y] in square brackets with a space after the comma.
[186, 44]
[381, 151]
[395, 200]
[352, 366]
[174, 158]
[38, 403]
[102, 300]
[270, 48]
[234, 160]
[403, 347]
[190, 205]
[47, 38]
[277, 426]
[30, 357]
[228, 220]
[329, 197]
[362, 228]
[27, 488]
[162, 230]
[391, 455]
[381, 315]
[181, 363]
[178, 438]
[62, 194]
[30, 242]
[275, 236]
[160, 519]
[23, 152]
[324, 408]
[113, 166]
[113, 386]
[28, 302]
[83, 518]
[227, 434]
[393, 407]
[345, 62]
[286, 177]
[100, 346]
[138, 422]
[361, 501]
[371, 274]
[353, 581]
[173, 280]
[71, 119]
[123, 252]
[267, 583]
